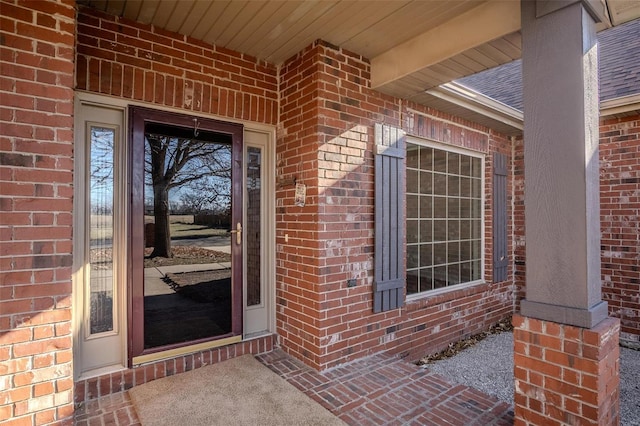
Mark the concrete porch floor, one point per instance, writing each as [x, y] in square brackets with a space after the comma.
[376, 390]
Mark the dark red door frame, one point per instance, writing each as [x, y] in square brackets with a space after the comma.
[138, 117]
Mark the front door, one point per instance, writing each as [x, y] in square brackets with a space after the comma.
[173, 234]
[187, 231]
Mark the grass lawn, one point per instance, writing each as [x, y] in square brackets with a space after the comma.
[180, 228]
[188, 230]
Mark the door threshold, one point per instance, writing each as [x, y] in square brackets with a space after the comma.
[172, 353]
[256, 335]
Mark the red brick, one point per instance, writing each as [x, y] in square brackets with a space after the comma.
[5, 412]
[43, 360]
[16, 394]
[45, 417]
[45, 388]
[582, 378]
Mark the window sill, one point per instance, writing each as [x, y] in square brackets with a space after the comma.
[443, 295]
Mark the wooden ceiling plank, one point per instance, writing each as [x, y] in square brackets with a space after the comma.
[466, 62]
[374, 31]
[515, 39]
[132, 9]
[401, 89]
[164, 12]
[408, 22]
[177, 19]
[479, 57]
[237, 16]
[276, 30]
[338, 25]
[481, 24]
[264, 45]
[454, 68]
[115, 7]
[340, 16]
[430, 78]
[246, 40]
[442, 73]
[493, 52]
[418, 82]
[202, 18]
[357, 27]
[507, 48]
[299, 30]
[99, 4]
[148, 11]
[443, 11]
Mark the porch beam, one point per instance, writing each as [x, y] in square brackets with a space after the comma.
[482, 24]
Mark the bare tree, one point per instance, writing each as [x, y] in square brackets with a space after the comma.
[102, 151]
[173, 162]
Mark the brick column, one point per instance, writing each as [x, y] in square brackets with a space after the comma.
[566, 374]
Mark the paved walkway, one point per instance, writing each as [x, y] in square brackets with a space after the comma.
[377, 390]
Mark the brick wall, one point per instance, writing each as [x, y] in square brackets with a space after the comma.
[36, 164]
[326, 141]
[519, 255]
[620, 221]
[140, 62]
[298, 247]
[566, 374]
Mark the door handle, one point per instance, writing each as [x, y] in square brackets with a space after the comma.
[238, 232]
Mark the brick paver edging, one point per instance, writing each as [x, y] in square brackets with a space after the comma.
[377, 390]
[384, 390]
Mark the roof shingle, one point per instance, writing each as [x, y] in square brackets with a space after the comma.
[618, 67]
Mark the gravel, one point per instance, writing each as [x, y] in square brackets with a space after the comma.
[488, 367]
[629, 387]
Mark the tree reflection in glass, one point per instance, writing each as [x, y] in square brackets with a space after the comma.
[184, 175]
[101, 191]
[187, 213]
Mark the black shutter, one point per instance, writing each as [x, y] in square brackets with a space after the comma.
[500, 257]
[389, 278]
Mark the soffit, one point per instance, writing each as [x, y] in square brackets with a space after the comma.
[413, 45]
[274, 31]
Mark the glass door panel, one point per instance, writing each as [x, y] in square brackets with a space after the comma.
[187, 220]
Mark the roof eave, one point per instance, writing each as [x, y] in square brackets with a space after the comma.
[477, 102]
[470, 100]
[620, 106]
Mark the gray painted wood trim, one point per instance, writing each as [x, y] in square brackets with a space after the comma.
[388, 287]
[562, 221]
[500, 254]
[390, 151]
[585, 318]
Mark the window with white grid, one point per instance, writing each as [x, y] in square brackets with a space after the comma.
[444, 217]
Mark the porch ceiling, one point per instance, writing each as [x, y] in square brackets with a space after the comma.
[413, 45]
[388, 32]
